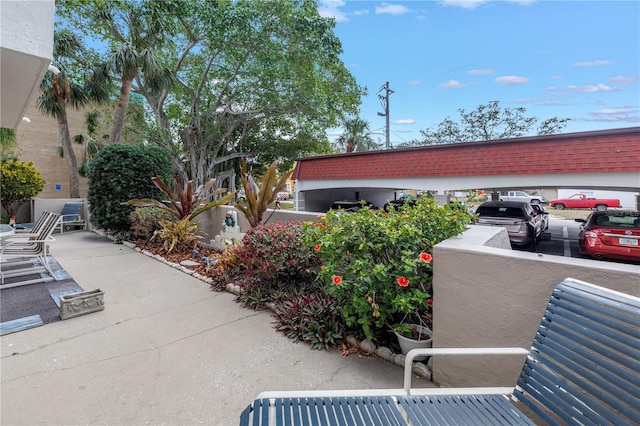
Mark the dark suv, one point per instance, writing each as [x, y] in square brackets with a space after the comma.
[523, 224]
[351, 206]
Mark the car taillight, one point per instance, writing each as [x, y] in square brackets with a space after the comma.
[592, 239]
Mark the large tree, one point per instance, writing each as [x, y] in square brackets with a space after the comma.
[75, 86]
[486, 122]
[254, 78]
[356, 136]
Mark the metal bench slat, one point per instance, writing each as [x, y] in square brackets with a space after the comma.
[560, 397]
[599, 337]
[602, 383]
[585, 356]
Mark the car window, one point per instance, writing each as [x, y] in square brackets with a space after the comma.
[623, 221]
[496, 211]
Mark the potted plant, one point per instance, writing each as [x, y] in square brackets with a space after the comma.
[415, 331]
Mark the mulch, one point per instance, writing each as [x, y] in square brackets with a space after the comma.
[177, 256]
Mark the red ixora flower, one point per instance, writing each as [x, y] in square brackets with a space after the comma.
[426, 257]
[337, 279]
[430, 303]
[403, 282]
[317, 247]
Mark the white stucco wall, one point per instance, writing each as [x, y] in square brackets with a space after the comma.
[494, 297]
[27, 26]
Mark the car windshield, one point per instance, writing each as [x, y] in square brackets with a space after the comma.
[500, 211]
[622, 221]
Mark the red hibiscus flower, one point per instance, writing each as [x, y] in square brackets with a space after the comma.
[403, 282]
[426, 257]
[337, 279]
[317, 247]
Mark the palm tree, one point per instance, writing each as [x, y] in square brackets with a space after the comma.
[138, 36]
[61, 91]
[356, 136]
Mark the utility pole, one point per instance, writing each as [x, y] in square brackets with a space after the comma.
[384, 100]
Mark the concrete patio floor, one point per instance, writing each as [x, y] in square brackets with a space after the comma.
[166, 350]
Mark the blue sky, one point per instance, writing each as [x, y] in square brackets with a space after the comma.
[574, 59]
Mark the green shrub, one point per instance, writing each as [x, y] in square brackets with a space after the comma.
[19, 181]
[118, 173]
[377, 265]
[145, 221]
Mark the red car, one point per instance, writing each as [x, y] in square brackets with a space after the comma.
[611, 234]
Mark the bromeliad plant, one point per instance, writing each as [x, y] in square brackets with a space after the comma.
[378, 265]
[186, 204]
[259, 197]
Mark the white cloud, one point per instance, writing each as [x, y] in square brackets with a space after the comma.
[330, 9]
[361, 12]
[485, 71]
[615, 114]
[392, 9]
[452, 84]
[591, 89]
[466, 4]
[596, 63]
[414, 82]
[405, 121]
[510, 80]
[522, 2]
[624, 80]
[556, 77]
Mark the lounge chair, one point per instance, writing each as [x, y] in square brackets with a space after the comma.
[28, 245]
[70, 219]
[582, 368]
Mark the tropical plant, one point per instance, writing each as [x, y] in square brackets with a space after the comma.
[70, 89]
[20, 182]
[258, 197]
[185, 203]
[378, 264]
[310, 318]
[119, 172]
[356, 136]
[91, 144]
[182, 234]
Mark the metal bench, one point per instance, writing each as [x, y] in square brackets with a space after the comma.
[583, 368]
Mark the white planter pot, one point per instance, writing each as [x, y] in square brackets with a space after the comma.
[426, 340]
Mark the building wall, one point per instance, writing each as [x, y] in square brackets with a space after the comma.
[486, 296]
[38, 141]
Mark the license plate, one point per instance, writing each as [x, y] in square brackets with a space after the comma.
[628, 242]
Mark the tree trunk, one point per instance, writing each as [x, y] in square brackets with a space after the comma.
[70, 157]
[121, 110]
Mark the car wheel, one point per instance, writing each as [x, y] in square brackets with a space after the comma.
[601, 207]
[559, 206]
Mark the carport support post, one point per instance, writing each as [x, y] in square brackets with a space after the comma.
[638, 202]
[495, 196]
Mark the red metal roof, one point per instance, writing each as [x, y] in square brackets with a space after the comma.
[607, 151]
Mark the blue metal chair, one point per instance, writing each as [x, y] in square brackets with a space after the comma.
[582, 368]
[70, 219]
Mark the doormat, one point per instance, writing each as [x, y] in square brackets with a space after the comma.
[34, 304]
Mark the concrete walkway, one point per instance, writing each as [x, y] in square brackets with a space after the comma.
[166, 350]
